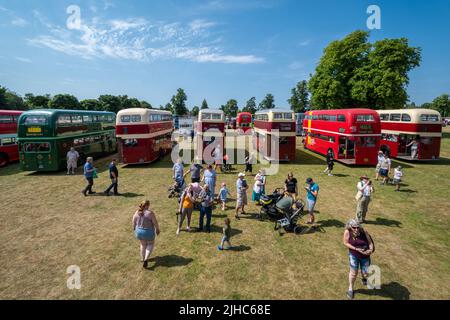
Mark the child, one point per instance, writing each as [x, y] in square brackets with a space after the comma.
[257, 189]
[223, 193]
[398, 174]
[226, 235]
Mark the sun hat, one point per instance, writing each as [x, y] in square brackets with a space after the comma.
[399, 168]
[241, 175]
[364, 177]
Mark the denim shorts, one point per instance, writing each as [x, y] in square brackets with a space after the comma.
[384, 172]
[357, 263]
[310, 204]
[145, 234]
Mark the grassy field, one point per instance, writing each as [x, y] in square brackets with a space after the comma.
[47, 225]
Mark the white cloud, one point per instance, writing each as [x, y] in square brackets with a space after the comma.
[296, 65]
[304, 43]
[25, 60]
[138, 39]
[19, 22]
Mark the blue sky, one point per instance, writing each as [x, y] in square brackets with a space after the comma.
[214, 49]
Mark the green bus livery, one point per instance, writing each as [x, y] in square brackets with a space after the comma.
[45, 136]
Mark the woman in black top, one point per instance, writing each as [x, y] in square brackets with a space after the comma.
[290, 185]
[330, 163]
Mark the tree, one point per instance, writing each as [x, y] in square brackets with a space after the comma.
[110, 103]
[128, 103]
[300, 97]
[91, 105]
[14, 101]
[204, 104]
[442, 104]
[167, 107]
[178, 102]
[267, 103]
[64, 101]
[2, 97]
[195, 111]
[230, 108]
[353, 73]
[250, 106]
[37, 102]
[146, 105]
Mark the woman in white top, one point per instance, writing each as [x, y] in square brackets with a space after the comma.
[145, 225]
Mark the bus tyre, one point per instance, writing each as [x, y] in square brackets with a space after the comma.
[3, 160]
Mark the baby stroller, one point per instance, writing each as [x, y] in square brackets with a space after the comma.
[290, 219]
[176, 189]
[268, 205]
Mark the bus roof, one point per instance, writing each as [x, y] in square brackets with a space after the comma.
[411, 112]
[215, 111]
[344, 111]
[142, 111]
[13, 112]
[273, 110]
[59, 111]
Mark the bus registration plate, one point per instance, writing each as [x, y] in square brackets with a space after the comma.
[34, 130]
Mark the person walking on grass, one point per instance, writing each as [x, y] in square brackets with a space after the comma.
[330, 163]
[378, 167]
[241, 190]
[226, 236]
[186, 207]
[218, 158]
[290, 185]
[249, 163]
[178, 172]
[385, 169]
[360, 246]
[206, 208]
[398, 174]
[363, 198]
[223, 195]
[262, 176]
[145, 227]
[195, 170]
[89, 171]
[72, 160]
[114, 176]
[312, 192]
[209, 177]
[257, 189]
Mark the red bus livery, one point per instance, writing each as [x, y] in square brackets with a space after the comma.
[353, 135]
[210, 130]
[275, 128]
[9, 150]
[244, 123]
[411, 134]
[145, 135]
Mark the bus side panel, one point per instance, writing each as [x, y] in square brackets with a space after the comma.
[429, 148]
[391, 146]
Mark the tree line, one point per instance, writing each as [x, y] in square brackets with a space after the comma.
[351, 73]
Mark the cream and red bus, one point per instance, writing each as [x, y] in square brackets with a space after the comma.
[210, 134]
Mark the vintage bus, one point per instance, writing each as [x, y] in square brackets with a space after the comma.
[274, 134]
[145, 135]
[45, 136]
[399, 128]
[9, 150]
[244, 123]
[299, 117]
[352, 135]
[210, 134]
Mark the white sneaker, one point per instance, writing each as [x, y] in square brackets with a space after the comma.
[330, 175]
[188, 229]
[178, 232]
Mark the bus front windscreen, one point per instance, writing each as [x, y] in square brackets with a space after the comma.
[32, 120]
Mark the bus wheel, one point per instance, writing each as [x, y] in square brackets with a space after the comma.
[3, 160]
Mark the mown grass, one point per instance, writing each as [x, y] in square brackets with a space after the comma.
[47, 225]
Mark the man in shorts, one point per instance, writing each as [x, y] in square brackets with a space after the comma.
[385, 168]
[241, 191]
[312, 192]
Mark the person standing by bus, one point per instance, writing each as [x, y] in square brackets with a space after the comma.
[89, 175]
[414, 144]
[209, 178]
[385, 168]
[330, 163]
[312, 192]
[178, 173]
[363, 198]
[145, 225]
[192, 135]
[72, 160]
[186, 207]
[241, 190]
[114, 176]
[290, 185]
[380, 160]
[218, 158]
[195, 169]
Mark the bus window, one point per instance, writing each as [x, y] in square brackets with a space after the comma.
[36, 147]
[216, 116]
[136, 118]
[287, 116]
[125, 119]
[87, 119]
[333, 118]
[368, 142]
[206, 116]
[384, 117]
[6, 119]
[395, 117]
[35, 120]
[77, 119]
[7, 141]
[429, 117]
[130, 143]
[278, 116]
[365, 118]
[64, 119]
[406, 117]
[341, 118]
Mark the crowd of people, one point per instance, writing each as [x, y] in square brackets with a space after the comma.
[201, 192]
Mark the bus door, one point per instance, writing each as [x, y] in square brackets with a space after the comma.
[403, 141]
[346, 148]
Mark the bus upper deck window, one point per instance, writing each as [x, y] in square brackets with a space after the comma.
[384, 117]
[429, 117]
[406, 117]
[125, 119]
[87, 119]
[395, 117]
[365, 118]
[206, 116]
[136, 118]
[77, 119]
[6, 119]
[288, 116]
[341, 118]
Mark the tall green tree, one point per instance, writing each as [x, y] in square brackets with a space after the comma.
[442, 104]
[204, 104]
[299, 101]
[230, 108]
[2, 97]
[250, 106]
[91, 105]
[267, 103]
[146, 105]
[381, 82]
[178, 103]
[167, 107]
[64, 101]
[37, 102]
[110, 103]
[195, 111]
[14, 101]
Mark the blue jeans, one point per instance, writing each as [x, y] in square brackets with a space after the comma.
[208, 212]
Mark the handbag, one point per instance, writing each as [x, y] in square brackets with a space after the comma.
[94, 174]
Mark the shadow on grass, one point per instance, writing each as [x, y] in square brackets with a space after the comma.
[10, 169]
[331, 223]
[385, 222]
[169, 261]
[217, 229]
[240, 248]
[408, 191]
[392, 290]
[340, 175]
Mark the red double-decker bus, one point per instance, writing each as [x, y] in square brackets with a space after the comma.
[145, 135]
[9, 150]
[274, 134]
[210, 134]
[352, 135]
[244, 123]
[411, 134]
